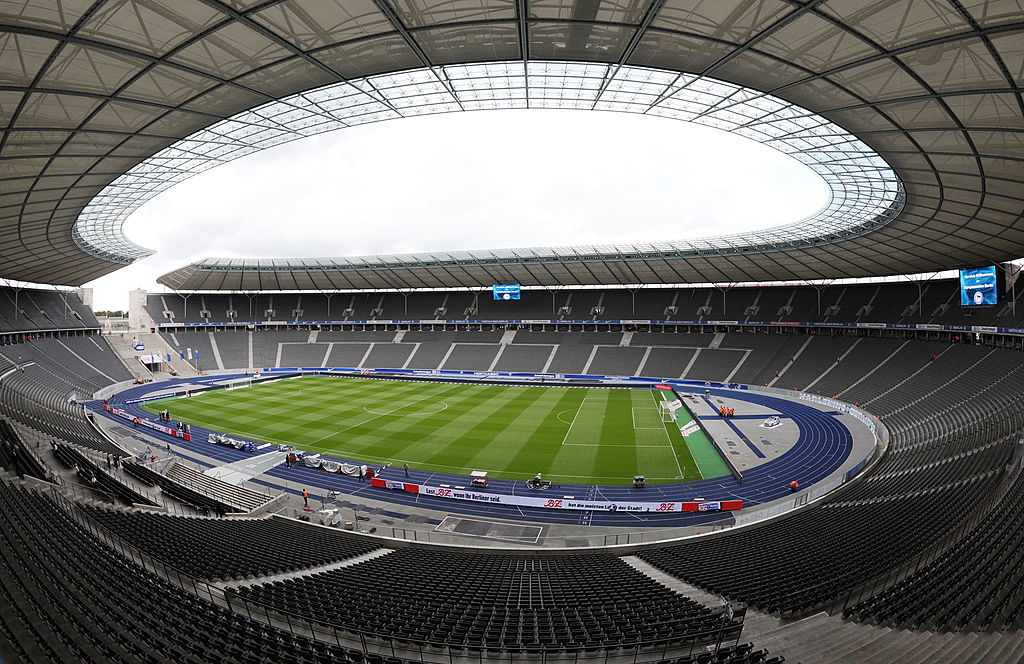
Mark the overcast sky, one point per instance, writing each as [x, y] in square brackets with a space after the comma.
[479, 180]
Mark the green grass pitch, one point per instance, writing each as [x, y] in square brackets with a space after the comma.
[572, 435]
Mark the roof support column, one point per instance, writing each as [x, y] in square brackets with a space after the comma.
[1012, 271]
[553, 290]
[724, 288]
[632, 294]
[818, 288]
[184, 298]
[16, 290]
[328, 296]
[920, 291]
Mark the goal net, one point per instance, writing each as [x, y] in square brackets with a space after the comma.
[668, 410]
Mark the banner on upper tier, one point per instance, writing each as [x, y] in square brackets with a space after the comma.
[927, 327]
[562, 503]
[621, 381]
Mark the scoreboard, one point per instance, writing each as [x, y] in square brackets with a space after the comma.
[506, 291]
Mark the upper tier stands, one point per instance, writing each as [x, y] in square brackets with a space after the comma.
[935, 302]
[31, 310]
[40, 380]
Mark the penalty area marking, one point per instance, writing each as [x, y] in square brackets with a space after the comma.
[644, 409]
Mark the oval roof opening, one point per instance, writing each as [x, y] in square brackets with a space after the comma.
[495, 179]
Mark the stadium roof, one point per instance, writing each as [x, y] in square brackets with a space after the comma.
[95, 97]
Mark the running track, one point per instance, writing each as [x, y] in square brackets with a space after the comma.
[822, 446]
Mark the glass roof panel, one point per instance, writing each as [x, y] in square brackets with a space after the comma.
[865, 192]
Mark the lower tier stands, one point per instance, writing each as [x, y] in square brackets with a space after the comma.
[817, 354]
[812, 557]
[954, 445]
[102, 481]
[976, 584]
[498, 601]
[230, 548]
[208, 501]
[25, 400]
[72, 596]
[744, 358]
[16, 456]
[68, 597]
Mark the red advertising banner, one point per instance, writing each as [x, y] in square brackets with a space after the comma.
[562, 503]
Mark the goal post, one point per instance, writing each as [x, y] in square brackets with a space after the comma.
[667, 409]
[239, 384]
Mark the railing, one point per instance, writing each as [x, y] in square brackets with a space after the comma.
[645, 536]
[205, 485]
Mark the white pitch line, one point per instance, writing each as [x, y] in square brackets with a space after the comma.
[669, 439]
[574, 419]
[636, 428]
[433, 412]
[660, 447]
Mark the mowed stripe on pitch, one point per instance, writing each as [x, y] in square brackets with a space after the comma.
[512, 431]
[488, 442]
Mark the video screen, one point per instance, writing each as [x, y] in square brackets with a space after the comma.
[978, 287]
[506, 291]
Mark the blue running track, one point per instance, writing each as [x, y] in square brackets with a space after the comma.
[823, 445]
